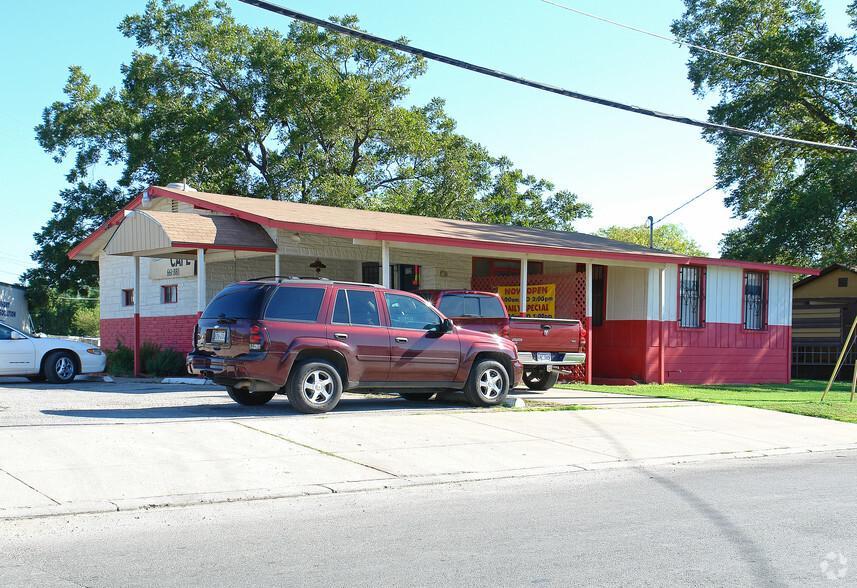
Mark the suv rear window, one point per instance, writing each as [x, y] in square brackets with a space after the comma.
[295, 303]
[238, 301]
[465, 305]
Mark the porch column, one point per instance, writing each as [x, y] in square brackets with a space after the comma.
[385, 264]
[522, 304]
[200, 281]
[277, 257]
[661, 303]
[137, 315]
[590, 346]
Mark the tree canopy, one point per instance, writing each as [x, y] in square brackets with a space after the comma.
[800, 202]
[309, 116]
[669, 237]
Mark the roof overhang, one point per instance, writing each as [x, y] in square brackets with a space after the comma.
[167, 234]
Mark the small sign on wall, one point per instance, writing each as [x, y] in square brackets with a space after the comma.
[541, 300]
[170, 269]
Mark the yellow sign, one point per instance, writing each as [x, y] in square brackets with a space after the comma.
[541, 300]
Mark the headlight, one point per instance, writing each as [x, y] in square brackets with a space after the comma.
[94, 351]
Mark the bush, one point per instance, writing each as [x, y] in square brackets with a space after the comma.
[167, 362]
[120, 361]
[153, 360]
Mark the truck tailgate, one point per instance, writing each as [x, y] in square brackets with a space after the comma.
[540, 334]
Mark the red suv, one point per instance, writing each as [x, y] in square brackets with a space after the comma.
[313, 338]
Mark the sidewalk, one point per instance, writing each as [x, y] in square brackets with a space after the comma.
[59, 469]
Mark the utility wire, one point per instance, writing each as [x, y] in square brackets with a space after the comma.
[685, 204]
[700, 47]
[533, 84]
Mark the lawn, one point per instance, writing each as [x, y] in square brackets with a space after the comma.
[799, 397]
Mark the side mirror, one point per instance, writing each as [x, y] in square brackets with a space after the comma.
[446, 326]
[17, 335]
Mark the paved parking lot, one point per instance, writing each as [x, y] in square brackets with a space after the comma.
[97, 446]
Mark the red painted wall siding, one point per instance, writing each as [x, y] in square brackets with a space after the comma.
[720, 353]
[167, 331]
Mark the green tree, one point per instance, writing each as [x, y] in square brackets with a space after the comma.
[669, 237]
[311, 116]
[800, 202]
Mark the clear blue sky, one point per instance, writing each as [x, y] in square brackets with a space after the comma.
[627, 166]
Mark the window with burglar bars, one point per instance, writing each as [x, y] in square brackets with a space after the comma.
[691, 283]
[755, 301]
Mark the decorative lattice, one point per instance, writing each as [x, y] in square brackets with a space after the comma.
[570, 300]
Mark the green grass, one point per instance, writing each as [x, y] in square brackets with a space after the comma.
[799, 397]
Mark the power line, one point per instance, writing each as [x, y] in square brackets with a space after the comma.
[700, 47]
[537, 85]
[685, 204]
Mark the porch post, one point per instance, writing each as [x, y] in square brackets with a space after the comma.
[385, 264]
[137, 315]
[661, 303]
[277, 257]
[522, 295]
[200, 281]
[590, 347]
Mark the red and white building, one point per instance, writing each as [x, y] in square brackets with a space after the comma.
[652, 316]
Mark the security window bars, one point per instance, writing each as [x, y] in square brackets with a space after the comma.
[691, 283]
[755, 301]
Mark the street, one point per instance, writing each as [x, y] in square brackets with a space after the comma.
[137, 483]
[776, 521]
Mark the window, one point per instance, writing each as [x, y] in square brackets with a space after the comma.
[843, 282]
[238, 301]
[755, 300]
[407, 312]
[295, 303]
[356, 307]
[691, 284]
[128, 297]
[169, 294]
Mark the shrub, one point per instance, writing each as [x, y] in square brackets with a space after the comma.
[120, 361]
[167, 362]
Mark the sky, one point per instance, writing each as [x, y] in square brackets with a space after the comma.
[627, 166]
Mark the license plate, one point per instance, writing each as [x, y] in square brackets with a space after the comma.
[543, 356]
[218, 336]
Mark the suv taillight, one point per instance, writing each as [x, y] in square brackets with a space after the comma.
[505, 330]
[258, 338]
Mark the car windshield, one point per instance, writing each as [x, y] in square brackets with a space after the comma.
[238, 301]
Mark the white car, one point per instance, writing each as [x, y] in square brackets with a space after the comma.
[40, 358]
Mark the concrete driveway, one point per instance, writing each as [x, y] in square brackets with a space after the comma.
[94, 446]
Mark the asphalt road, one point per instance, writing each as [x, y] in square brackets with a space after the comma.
[772, 521]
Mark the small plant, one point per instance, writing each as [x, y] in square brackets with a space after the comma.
[120, 361]
[167, 362]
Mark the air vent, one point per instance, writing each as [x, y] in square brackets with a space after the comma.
[180, 186]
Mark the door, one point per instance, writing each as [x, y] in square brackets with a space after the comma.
[356, 330]
[419, 352]
[17, 353]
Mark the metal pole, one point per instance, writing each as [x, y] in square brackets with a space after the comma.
[651, 232]
[841, 356]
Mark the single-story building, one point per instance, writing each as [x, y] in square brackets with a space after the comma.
[651, 315]
[824, 308]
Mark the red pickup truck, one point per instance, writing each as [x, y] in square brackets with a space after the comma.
[546, 346]
[313, 338]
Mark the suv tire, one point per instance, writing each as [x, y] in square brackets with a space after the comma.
[487, 384]
[248, 398]
[540, 379]
[314, 387]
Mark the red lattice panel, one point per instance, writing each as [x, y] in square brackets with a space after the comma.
[570, 301]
